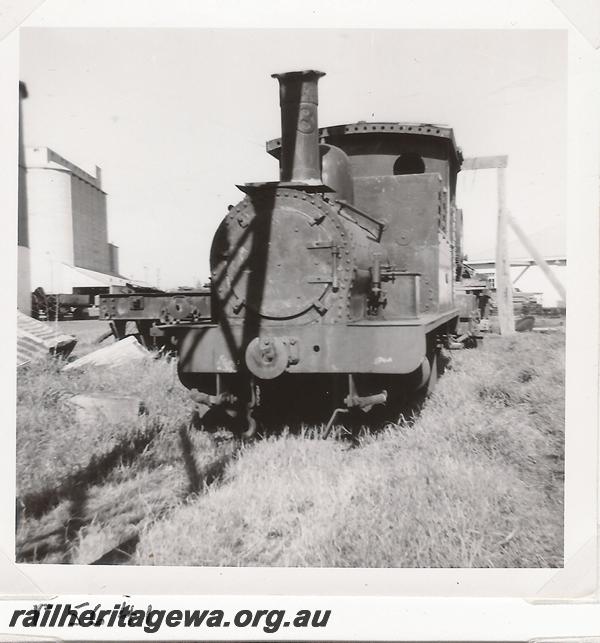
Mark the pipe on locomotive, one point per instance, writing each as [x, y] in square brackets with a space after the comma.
[298, 99]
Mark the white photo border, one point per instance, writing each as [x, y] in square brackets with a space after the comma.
[579, 578]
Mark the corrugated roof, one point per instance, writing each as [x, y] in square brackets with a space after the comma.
[35, 340]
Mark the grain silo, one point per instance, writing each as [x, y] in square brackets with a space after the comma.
[67, 225]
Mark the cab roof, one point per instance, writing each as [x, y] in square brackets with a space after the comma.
[362, 127]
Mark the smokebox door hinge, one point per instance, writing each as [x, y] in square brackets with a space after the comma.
[335, 255]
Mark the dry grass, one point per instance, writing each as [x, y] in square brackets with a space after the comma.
[475, 481]
[83, 490]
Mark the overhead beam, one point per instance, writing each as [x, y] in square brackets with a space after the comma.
[484, 163]
[551, 261]
[532, 250]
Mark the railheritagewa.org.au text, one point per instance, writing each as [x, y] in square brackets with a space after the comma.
[151, 620]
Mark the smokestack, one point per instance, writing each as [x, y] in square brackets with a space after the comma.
[298, 98]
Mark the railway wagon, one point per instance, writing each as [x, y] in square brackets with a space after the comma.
[341, 273]
[141, 313]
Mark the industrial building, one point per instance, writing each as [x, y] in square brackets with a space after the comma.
[63, 211]
[62, 242]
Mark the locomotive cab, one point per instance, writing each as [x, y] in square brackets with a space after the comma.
[405, 174]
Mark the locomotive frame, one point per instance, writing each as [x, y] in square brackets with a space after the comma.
[345, 267]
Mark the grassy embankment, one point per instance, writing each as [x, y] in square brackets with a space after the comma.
[476, 480]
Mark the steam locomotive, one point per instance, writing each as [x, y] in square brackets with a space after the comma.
[342, 273]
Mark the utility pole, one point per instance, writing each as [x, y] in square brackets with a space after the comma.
[504, 292]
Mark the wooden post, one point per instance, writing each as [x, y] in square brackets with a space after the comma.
[504, 299]
[537, 257]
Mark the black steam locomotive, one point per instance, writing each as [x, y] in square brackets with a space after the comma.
[341, 273]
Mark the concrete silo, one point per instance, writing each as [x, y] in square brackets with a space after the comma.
[68, 234]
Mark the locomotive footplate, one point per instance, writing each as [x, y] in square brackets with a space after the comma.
[362, 347]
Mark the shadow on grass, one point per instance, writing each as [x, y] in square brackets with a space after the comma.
[36, 504]
[57, 541]
[74, 490]
[38, 547]
[121, 554]
[77, 519]
[200, 479]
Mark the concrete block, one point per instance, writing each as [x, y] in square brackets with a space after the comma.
[117, 354]
[106, 409]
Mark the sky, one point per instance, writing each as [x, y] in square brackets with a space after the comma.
[177, 117]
